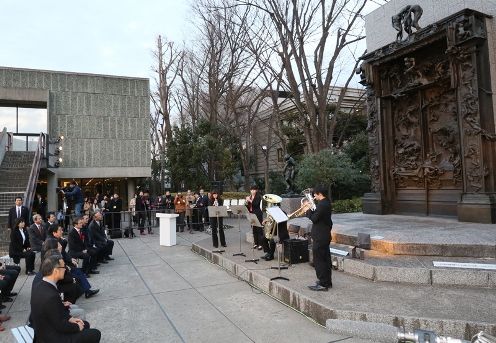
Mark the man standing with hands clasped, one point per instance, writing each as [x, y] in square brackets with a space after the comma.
[321, 236]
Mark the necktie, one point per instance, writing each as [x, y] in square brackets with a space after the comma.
[81, 236]
[18, 212]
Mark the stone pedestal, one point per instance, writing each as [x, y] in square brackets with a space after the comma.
[373, 203]
[290, 205]
[167, 228]
[479, 208]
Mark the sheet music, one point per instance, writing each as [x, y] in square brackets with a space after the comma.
[278, 215]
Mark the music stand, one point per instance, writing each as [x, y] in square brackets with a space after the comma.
[239, 210]
[252, 218]
[217, 211]
[279, 217]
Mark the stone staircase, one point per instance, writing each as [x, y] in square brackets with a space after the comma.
[14, 176]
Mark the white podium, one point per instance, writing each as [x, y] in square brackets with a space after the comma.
[167, 228]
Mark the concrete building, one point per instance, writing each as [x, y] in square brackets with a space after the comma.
[103, 119]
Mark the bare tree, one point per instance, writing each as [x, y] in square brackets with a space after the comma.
[311, 37]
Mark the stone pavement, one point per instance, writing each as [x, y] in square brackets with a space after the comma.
[449, 310]
[170, 294]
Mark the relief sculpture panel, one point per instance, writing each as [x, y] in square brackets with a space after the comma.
[407, 169]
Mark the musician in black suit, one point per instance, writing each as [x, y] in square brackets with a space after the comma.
[50, 318]
[16, 212]
[321, 237]
[253, 203]
[78, 248]
[37, 233]
[19, 246]
[99, 237]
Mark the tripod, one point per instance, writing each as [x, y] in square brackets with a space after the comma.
[279, 217]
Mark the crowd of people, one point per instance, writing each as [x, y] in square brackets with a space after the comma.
[60, 280]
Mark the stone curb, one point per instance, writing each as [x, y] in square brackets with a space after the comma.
[421, 276]
[321, 313]
[420, 249]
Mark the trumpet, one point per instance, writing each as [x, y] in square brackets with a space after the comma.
[307, 202]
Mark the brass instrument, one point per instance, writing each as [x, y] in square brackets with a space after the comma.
[269, 223]
[308, 202]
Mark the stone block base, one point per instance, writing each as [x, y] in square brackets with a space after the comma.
[477, 208]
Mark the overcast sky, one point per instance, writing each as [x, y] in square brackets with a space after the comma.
[103, 37]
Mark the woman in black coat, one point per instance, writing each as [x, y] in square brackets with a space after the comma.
[253, 203]
[216, 223]
[19, 246]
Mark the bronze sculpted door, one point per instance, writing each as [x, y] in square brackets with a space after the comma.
[426, 169]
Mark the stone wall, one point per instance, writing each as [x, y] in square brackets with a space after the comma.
[378, 23]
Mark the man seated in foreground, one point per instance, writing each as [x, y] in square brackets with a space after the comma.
[50, 318]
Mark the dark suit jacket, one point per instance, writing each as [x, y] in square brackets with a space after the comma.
[49, 316]
[13, 216]
[255, 207]
[16, 246]
[36, 238]
[76, 245]
[322, 222]
[98, 234]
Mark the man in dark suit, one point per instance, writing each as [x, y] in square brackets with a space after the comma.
[51, 219]
[16, 212]
[321, 236]
[78, 248]
[37, 233]
[116, 209]
[50, 318]
[99, 237]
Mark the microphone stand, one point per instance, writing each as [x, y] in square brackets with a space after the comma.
[240, 253]
[253, 259]
[279, 266]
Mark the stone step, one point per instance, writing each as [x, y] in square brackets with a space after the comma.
[449, 311]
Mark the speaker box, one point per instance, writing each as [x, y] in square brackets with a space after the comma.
[296, 251]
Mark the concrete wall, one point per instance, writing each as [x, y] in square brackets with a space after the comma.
[103, 118]
[378, 23]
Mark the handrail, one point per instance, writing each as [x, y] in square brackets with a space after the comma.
[35, 170]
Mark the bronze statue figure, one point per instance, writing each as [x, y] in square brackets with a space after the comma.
[404, 21]
[289, 173]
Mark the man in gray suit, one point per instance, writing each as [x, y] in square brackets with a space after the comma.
[36, 233]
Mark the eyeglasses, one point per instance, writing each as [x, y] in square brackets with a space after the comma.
[61, 267]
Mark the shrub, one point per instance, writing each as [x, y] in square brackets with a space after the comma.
[347, 205]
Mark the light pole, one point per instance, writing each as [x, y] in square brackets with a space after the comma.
[266, 169]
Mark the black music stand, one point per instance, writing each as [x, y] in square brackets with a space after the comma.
[239, 210]
[218, 211]
[252, 218]
[279, 217]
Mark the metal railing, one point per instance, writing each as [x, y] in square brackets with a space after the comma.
[35, 170]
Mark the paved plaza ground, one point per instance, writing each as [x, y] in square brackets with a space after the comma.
[170, 294]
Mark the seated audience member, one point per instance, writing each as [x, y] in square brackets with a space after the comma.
[9, 274]
[68, 286]
[56, 232]
[51, 319]
[19, 246]
[99, 238]
[79, 248]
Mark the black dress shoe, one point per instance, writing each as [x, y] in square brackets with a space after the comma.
[30, 273]
[269, 258]
[103, 261]
[318, 288]
[91, 293]
[109, 258]
[5, 299]
[11, 294]
[2, 306]
[94, 272]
